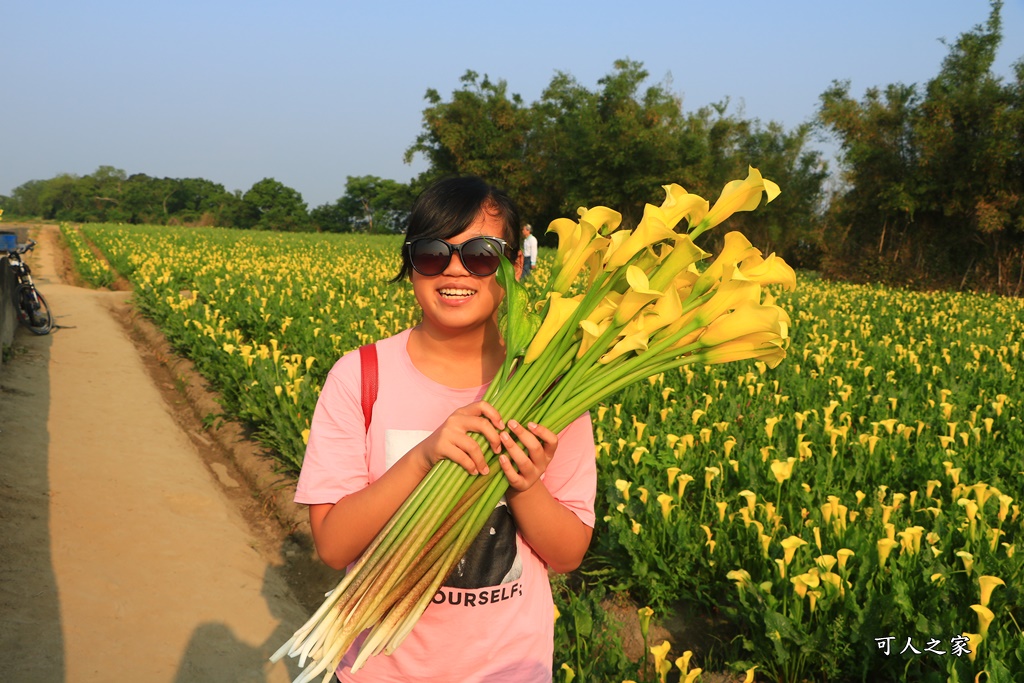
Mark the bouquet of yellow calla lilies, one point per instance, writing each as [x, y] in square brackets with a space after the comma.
[646, 308]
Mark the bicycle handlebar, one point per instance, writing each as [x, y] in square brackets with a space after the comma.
[27, 247]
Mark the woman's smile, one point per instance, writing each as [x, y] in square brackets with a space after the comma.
[456, 294]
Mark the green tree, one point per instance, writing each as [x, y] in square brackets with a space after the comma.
[146, 199]
[199, 200]
[274, 206]
[935, 188]
[482, 131]
[26, 199]
[370, 204]
[616, 145]
[63, 198]
[101, 191]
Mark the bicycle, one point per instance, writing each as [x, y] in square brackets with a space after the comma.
[33, 311]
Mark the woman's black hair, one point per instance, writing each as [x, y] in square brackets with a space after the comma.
[449, 206]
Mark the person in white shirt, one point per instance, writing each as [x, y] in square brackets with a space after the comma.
[529, 251]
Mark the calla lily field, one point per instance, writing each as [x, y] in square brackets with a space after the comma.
[826, 476]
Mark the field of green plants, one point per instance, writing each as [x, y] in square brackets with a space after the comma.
[851, 515]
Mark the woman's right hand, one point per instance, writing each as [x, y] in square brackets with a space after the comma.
[452, 441]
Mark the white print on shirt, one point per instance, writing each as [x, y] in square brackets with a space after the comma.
[398, 442]
[493, 558]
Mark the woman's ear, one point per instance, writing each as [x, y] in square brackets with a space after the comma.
[518, 265]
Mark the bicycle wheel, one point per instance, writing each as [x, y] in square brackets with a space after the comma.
[34, 311]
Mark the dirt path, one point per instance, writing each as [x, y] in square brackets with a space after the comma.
[121, 554]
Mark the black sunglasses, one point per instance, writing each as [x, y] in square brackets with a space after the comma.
[481, 256]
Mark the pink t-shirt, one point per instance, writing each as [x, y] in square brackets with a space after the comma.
[493, 619]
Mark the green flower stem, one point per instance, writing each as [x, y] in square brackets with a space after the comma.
[632, 369]
[603, 284]
[563, 416]
[589, 372]
[581, 367]
[418, 579]
[422, 514]
[391, 583]
[458, 536]
[699, 229]
[412, 558]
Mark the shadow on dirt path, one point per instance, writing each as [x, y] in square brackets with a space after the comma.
[121, 554]
[30, 623]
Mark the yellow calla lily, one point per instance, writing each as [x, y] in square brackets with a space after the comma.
[740, 576]
[604, 219]
[727, 297]
[567, 231]
[634, 342]
[782, 470]
[681, 204]
[826, 562]
[885, 547]
[645, 614]
[665, 311]
[651, 230]
[765, 346]
[789, 546]
[973, 641]
[606, 308]
[683, 663]
[661, 665]
[738, 195]
[985, 617]
[676, 259]
[591, 333]
[988, 584]
[683, 481]
[666, 503]
[766, 271]
[581, 239]
[737, 248]
[672, 472]
[968, 560]
[745, 319]
[561, 309]
[637, 296]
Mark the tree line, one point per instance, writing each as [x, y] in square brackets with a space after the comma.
[931, 178]
[934, 174]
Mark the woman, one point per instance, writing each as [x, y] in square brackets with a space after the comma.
[493, 618]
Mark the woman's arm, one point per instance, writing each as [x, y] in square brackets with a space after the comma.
[344, 529]
[552, 530]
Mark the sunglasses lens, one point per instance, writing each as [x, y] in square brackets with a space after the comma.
[430, 257]
[481, 256]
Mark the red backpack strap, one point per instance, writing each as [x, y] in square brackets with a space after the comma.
[368, 367]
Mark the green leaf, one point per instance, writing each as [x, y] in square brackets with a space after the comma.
[516, 322]
[781, 633]
[584, 622]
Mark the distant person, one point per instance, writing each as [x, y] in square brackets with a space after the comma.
[529, 251]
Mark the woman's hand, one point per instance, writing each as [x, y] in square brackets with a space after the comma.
[540, 444]
[451, 441]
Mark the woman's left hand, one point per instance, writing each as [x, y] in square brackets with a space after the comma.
[539, 442]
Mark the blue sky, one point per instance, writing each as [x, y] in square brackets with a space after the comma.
[311, 92]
